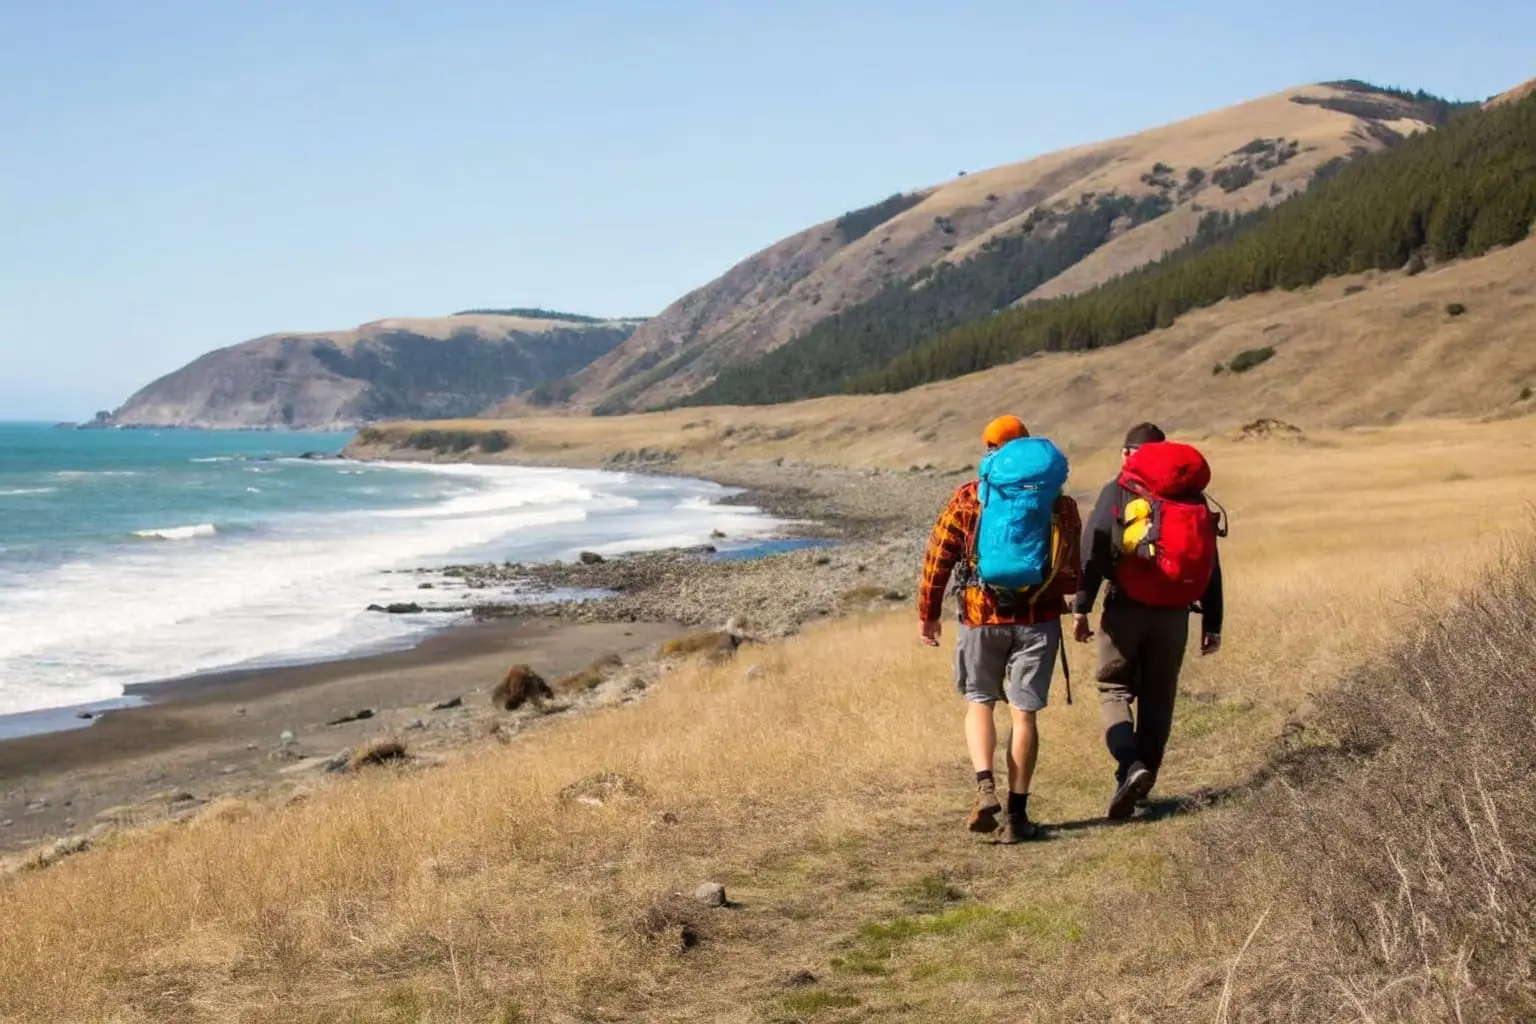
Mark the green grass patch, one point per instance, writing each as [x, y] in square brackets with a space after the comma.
[943, 972]
[814, 1000]
[863, 961]
[1199, 719]
[930, 894]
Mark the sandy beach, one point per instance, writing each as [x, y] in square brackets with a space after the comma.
[854, 544]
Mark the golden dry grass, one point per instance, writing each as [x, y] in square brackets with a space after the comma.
[1344, 358]
[437, 327]
[825, 791]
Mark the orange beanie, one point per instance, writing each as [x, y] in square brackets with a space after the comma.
[1002, 430]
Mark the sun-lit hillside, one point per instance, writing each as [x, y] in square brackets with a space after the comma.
[1235, 159]
[1356, 351]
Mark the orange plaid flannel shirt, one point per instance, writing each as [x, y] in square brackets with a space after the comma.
[949, 546]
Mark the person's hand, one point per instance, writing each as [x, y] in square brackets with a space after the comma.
[1210, 643]
[1081, 631]
[931, 632]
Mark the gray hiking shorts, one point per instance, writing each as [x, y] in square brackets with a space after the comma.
[991, 661]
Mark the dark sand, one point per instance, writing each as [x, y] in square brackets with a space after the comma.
[217, 735]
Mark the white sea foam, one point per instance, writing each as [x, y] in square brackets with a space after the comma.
[19, 491]
[298, 587]
[179, 532]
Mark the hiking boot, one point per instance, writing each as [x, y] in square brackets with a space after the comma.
[1136, 785]
[1017, 828]
[984, 814]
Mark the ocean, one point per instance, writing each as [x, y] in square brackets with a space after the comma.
[130, 556]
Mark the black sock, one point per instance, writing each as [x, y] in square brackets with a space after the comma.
[983, 777]
[1018, 803]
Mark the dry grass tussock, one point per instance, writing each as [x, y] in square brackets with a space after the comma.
[1392, 858]
[822, 780]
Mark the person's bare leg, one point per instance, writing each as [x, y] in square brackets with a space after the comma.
[981, 738]
[1023, 751]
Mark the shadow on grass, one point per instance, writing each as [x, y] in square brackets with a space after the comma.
[1155, 810]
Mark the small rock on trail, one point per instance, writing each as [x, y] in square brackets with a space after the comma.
[711, 894]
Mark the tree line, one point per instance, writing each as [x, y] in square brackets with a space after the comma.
[907, 312]
[1455, 192]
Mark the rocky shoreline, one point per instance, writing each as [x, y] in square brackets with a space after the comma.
[854, 544]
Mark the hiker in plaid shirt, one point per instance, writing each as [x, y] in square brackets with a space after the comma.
[1008, 643]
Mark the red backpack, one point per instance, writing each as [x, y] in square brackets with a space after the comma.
[1166, 529]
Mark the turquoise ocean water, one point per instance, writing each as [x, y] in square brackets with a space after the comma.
[138, 555]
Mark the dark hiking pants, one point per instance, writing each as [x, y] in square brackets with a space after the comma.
[1141, 650]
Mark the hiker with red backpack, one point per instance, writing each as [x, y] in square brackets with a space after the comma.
[1010, 539]
[1152, 536]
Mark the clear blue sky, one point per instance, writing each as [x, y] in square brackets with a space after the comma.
[179, 175]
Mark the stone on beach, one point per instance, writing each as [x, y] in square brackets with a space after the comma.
[520, 685]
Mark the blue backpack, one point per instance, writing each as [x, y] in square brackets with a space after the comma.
[1017, 486]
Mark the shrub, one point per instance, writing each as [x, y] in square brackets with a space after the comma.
[1194, 177]
[1455, 308]
[1354, 289]
[1391, 839]
[459, 441]
[855, 224]
[1525, 394]
[1415, 264]
[495, 441]
[1247, 360]
[1232, 178]
[1217, 370]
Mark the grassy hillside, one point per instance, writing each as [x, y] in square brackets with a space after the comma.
[905, 313]
[432, 366]
[1459, 191]
[535, 313]
[1366, 880]
[883, 278]
[1361, 350]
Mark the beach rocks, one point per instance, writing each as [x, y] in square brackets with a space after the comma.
[449, 704]
[356, 716]
[520, 685]
[397, 608]
[47, 856]
[375, 753]
[591, 558]
[287, 747]
[711, 894]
